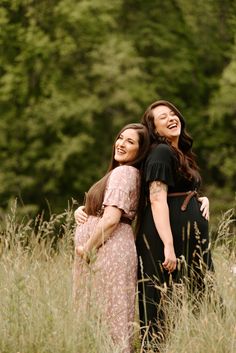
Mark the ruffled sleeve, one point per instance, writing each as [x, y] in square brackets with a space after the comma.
[122, 189]
[160, 165]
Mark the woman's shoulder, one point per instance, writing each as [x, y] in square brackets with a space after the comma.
[162, 150]
[125, 170]
[160, 164]
[124, 177]
[162, 147]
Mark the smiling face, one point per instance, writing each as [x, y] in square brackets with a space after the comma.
[167, 123]
[127, 146]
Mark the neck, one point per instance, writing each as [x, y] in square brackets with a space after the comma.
[175, 143]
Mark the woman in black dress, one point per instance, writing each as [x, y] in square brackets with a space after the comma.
[172, 241]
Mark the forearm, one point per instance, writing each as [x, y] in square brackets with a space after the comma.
[160, 212]
[102, 233]
[104, 229]
[161, 218]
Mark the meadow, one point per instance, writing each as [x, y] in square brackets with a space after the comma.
[37, 314]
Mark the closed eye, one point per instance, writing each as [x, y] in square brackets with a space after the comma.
[163, 116]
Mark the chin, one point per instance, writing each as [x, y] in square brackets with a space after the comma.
[118, 160]
[122, 162]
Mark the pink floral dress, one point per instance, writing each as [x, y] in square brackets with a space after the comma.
[113, 274]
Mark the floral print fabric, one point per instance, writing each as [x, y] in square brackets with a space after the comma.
[113, 274]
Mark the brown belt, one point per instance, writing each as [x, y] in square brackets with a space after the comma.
[188, 194]
[126, 220]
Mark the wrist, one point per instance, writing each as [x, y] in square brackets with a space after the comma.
[169, 245]
[86, 248]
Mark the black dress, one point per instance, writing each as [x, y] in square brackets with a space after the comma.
[190, 236]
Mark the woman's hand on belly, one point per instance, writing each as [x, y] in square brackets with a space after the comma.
[204, 208]
[80, 216]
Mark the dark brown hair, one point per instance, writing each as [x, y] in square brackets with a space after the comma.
[186, 157]
[95, 195]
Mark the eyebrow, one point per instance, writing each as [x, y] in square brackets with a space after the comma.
[164, 113]
[128, 138]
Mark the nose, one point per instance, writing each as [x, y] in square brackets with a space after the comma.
[172, 118]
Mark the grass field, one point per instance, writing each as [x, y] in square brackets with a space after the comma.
[36, 306]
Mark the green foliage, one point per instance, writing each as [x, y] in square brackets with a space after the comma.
[67, 79]
[73, 72]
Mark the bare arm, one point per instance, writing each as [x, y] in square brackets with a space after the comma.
[160, 211]
[105, 227]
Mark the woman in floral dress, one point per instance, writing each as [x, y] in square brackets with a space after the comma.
[111, 205]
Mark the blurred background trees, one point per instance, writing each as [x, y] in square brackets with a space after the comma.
[72, 72]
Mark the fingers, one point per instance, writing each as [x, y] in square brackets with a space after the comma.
[204, 208]
[80, 220]
[79, 250]
[80, 216]
[170, 265]
[170, 261]
[205, 215]
[205, 211]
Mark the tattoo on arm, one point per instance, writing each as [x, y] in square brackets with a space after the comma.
[156, 187]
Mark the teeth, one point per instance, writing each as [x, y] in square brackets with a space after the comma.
[173, 125]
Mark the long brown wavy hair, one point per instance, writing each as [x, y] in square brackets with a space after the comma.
[188, 165]
[95, 195]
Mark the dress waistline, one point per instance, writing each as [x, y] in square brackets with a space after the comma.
[126, 220]
[188, 194]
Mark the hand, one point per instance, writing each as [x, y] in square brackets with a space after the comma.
[204, 208]
[80, 251]
[170, 259]
[80, 216]
[89, 256]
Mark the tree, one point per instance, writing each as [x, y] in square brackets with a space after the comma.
[73, 84]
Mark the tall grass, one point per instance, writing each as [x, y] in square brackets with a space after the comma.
[37, 313]
[213, 328]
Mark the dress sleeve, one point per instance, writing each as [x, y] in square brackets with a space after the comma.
[160, 165]
[122, 184]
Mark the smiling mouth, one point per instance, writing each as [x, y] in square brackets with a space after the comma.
[172, 126]
[118, 150]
